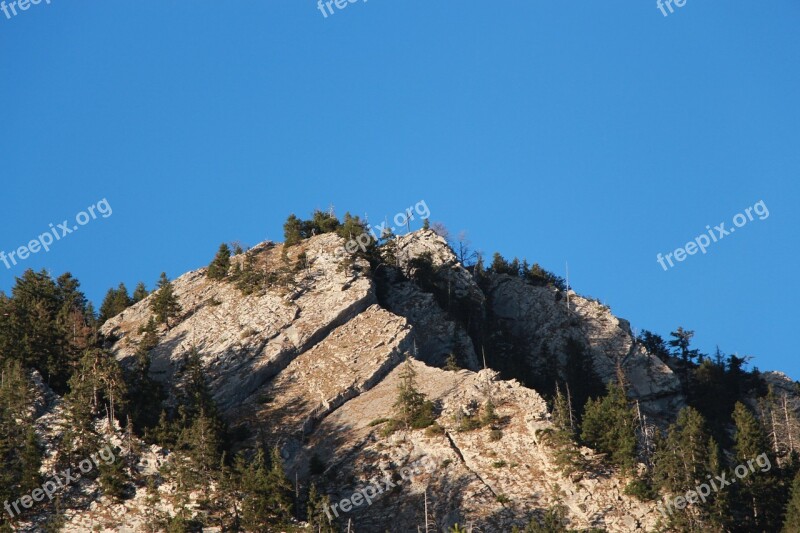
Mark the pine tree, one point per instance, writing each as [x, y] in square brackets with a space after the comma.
[218, 269]
[280, 488]
[140, 292]
[412, 408]
[115, 302]
[389, 248]
[609, 425]
[113, 478]
[265, 491]
[292, 231]
[791, 523]
[683, 461]
[317, 518]
[680, 342]
[758, 494]
[165, 304]
[145, 394]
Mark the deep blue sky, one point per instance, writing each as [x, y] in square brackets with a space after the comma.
[599, 133]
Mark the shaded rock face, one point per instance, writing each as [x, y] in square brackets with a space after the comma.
[246, 340]
[470, 477]
[539, 319]
[314, 366]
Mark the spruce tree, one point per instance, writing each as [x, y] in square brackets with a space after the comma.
[165, 304]
[791, 523]
[757, 495]
[316, 515]
[140, 292]
[280, 488]
[412, 408]
[218, 269]
[292, 231]
[609, 425]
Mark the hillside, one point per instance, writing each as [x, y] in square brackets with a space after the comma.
[307, 360]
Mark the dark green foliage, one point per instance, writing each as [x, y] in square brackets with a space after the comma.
[218, 269]
[582, 381]
[115, 302]
[609, 426]
[316, 515]
[534, 275]
[140, 292]
[714, 387]
[641, 489]
[553, 521]
[654, 344]
[451, 363]
[351, 227]
[296, 229]
[758, 498]
[264, 491]
[791, 523]
[680, 342]
[46, 325]
[683, 461]
[165, 304]
[292, 231]
[145, 395]
[113, 478]
[249, 277]
[97, 390]
[20, 454]
[321, 222]
[412, 408]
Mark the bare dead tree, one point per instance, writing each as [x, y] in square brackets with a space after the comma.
[441, 230]
[466, 255]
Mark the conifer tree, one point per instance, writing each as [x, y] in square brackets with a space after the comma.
[609, 425]
[680, 342]
[280, 486]
[113, 477]
[756, 495]
[165, 304]
[316, 508]
[115, 302]
[292, 231]
[218, 269]
[265, 491]
[412, 408]
[145, 393]
[140, 292]
[791, 523]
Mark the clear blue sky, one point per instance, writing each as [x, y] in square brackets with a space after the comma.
[599, 133]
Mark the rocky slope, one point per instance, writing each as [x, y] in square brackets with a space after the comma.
[316, 366]
[313, 366]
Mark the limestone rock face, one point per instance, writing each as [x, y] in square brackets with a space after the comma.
[471, 477]
[313, 363]
[246, 340]
[539, 318]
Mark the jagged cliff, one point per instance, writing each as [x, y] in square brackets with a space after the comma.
[314, 366]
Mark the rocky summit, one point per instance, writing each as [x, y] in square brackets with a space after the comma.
[310, 355]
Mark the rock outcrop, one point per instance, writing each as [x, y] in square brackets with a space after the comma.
[313, 363]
